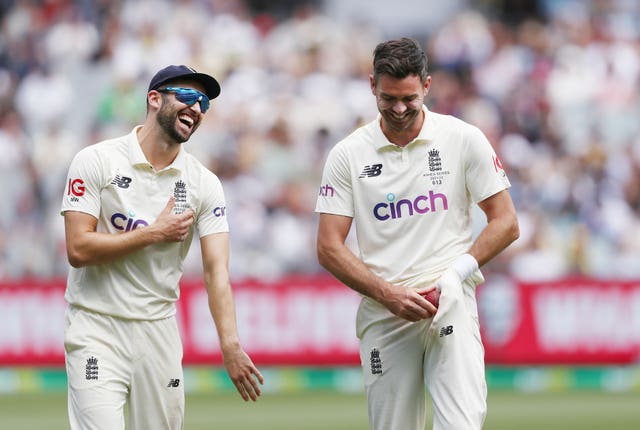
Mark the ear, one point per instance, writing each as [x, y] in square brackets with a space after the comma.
[372, 82]
[153, 98]
[427, 84]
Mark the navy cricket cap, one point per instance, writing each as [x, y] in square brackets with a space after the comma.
[170, 73]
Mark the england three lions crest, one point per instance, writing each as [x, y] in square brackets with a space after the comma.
[434, 172]
[180, 197]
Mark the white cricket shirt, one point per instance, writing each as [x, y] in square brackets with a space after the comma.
[411, 205]
[113, 181]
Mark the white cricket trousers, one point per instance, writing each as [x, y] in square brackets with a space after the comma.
[444, 353]
[112, 361]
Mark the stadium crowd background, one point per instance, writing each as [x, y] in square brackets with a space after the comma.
[553, 84]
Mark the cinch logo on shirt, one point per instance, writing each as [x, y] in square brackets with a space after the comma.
[326, 191]
[408, 207]
[220, 211]
[127, 223]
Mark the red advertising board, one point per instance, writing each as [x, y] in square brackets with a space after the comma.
[311, 321]
[567, 321]
[297, 321]
[32, 323]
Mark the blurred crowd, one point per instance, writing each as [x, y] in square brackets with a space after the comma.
[557, 93]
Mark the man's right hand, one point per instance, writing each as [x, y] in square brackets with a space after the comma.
[172, 227]
[409, 303]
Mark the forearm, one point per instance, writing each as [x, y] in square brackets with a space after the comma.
[222, 308]
[335, 256]
[91, 248]
[87, 246]
[215, 259]
[495, 237]
[352, 272]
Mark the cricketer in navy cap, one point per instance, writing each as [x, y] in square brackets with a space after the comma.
[170, 73]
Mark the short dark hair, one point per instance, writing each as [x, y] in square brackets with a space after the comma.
[399, 58]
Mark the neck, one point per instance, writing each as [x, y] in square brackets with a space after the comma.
[157, 149]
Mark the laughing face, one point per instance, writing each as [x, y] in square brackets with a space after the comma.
[178, 120]
[400, 103]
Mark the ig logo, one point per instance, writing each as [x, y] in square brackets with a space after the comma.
[76, 187]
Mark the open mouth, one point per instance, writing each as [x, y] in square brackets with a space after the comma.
[186, 120]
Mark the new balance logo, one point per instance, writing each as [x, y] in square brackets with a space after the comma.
[446, 331]
[376, 362]
[173, 383]
[121, 181]
[371, 171]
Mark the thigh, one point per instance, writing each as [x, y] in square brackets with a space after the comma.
[97, 371]
[157, 393]
[454, 366]
[391, 352]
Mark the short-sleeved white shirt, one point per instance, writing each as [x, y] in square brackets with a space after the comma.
[411, 205]
[113, 181]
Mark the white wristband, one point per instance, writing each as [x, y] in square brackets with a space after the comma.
[465, 265]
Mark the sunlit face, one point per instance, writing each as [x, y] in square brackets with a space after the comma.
[400, 101]
[176, 119]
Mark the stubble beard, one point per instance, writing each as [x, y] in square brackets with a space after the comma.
[167, 120]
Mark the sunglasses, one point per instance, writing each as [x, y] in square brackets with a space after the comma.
[188, 96]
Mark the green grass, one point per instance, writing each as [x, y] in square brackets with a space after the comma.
[315, 410]
[579, 410]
